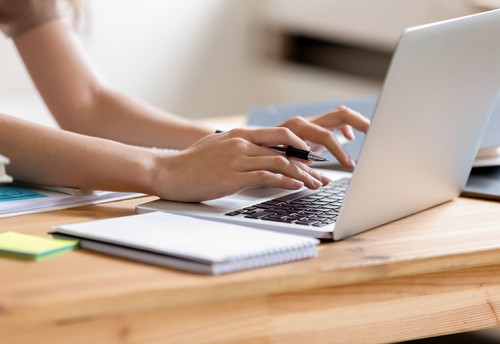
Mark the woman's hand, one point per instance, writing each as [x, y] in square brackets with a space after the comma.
[222, 164]
[225, 163]
[319, 133]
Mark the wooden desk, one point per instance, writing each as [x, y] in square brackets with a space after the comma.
[429, 274]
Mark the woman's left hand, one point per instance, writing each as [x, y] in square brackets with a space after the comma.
[319, 132]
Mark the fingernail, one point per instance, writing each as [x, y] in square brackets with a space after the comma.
[297, 184]
[351, 132]
[317, 183]
[351, 162]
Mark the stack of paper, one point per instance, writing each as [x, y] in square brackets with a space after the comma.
[19, 199]
[488, 156]
[188, 243]
[30, 247]
[4, 178]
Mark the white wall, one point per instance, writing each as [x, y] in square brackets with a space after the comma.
[186, 56]
[13, 77]
[189, 56]
[368, 22]
[201, 57]
[18, 95]
[193, 57]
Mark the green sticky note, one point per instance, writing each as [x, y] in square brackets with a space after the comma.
[31, 247]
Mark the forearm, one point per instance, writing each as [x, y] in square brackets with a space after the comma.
[132, 121]
[49, 156]
[78, 99]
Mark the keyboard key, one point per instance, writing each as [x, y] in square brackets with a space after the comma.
[307, 207]
[258, 215]
[307, 222]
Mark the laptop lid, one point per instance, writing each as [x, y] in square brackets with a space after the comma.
[426, 129]
[429, 121]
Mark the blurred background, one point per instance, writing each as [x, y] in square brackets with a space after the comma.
[202, 58]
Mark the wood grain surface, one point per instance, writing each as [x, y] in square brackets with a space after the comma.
[431, 273]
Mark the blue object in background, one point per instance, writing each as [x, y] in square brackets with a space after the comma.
[271, 115]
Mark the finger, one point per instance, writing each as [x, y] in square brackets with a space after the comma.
[341, 116]
[269, 179]
[242, 147]
[313, 132]
[270, 136]
[316, 148]
[281, 165]
[256, 151]
[317, 175]
[347, 132]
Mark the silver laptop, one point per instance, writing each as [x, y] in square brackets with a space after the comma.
[427, 126]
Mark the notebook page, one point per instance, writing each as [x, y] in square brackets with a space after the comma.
[187, 236]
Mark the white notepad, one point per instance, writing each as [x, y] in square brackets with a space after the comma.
[188, 243]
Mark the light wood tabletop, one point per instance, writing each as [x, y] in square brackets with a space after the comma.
[432, 273]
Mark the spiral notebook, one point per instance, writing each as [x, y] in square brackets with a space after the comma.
[187, 243]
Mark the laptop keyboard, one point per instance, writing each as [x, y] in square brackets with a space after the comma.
[316, 208]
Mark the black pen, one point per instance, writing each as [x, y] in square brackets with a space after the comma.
[295, 152]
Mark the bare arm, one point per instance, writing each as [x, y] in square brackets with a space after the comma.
[215, 166]
[43, 155]
[80, 102]
[209, 166]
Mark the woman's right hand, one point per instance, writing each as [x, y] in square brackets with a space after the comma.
[222, 164]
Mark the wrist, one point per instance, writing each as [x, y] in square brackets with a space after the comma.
[158, 169]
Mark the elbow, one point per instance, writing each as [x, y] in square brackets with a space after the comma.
[80, 114]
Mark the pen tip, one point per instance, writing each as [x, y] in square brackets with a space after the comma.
[316, 157]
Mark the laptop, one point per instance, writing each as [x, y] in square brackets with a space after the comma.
[427, 126]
